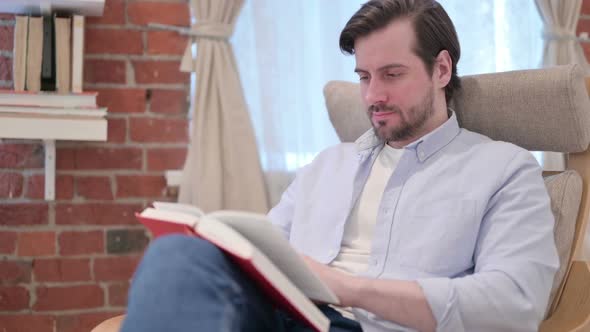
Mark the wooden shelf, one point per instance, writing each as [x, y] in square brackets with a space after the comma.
[85, 125]
[70, 128]
[38, 7]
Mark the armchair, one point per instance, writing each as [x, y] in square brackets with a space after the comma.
[540, 110]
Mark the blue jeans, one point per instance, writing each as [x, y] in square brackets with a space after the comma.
[186, 284]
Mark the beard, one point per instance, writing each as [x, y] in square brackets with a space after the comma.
[410, 122]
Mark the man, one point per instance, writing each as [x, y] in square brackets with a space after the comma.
[418, 225]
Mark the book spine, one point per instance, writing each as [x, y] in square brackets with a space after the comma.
[62, 54]
[19, 69]
[48, 57]
[34, 53]
[77, 53]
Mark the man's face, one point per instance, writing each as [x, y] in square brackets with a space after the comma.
[395, 85]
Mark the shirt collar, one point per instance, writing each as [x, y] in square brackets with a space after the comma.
[425, 146]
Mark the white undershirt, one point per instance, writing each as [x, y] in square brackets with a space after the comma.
[355, 249]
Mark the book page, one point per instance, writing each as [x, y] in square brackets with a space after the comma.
[179, 207]
[268, 239]
[170, 216]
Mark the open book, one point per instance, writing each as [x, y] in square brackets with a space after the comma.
[257, 247]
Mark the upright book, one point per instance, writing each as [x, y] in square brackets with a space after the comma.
[63, 51]
[77, 53]
[34, 53]
[19, 64]
[48, 55]
[258, 248]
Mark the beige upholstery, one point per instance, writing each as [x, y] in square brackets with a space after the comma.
[543, 110]
[565, 190]
[110, 325]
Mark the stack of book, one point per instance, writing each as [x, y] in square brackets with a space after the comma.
[48, 101]
[48, 53]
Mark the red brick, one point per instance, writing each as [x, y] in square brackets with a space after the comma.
[94, 187]
[140, 186]
[27, 323]
[117, 130]
[129, 100]
[12, 271]
[64, 187]
[586, 7]
[6, 38]
[36, 186]
[166, 42]
[13, 298]
[83, 321]
[11, 185]
[5, 68]
[169, 101]
[143, 13]
[113, 41]
[159, 71]
[36, 244]
[583, 26]
[118, 294]
[7, 17]
[158, 130]
[96, 214]
[104, 71]
[115, 268]
[72, 297]
[21, 155]
[90, 158]
[162, 159]
[81, 243]
[61, 270]
[7, 243]
[23, 214]
[114, 13]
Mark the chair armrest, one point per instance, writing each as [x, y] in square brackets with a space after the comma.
[573, 311]
[110, 325]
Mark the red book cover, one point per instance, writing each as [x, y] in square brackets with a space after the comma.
[245, 260]
[158, 227]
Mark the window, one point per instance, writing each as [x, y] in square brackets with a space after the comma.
[287, 50]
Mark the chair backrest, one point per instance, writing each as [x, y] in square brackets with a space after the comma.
[539, 110]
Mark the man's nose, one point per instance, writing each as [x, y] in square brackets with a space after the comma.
[375, 93]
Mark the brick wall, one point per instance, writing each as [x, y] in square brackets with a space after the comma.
[65, 265]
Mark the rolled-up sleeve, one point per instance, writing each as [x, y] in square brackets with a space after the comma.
[515, 261]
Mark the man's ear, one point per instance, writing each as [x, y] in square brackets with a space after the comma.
[443, 69]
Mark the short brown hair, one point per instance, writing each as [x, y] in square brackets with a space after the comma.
[433, 27]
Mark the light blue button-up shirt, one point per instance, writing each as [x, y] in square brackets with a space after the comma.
[466, 217]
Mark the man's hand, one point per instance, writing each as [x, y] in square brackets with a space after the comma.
[342, 284]
[399, 301]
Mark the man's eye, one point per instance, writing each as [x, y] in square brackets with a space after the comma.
[363, 78]
[393, 75]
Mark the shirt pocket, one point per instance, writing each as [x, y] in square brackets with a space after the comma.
[439, 237]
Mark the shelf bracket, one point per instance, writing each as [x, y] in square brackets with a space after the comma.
[49, 169]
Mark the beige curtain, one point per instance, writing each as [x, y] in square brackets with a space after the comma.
[560, 19]
[222, 170]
